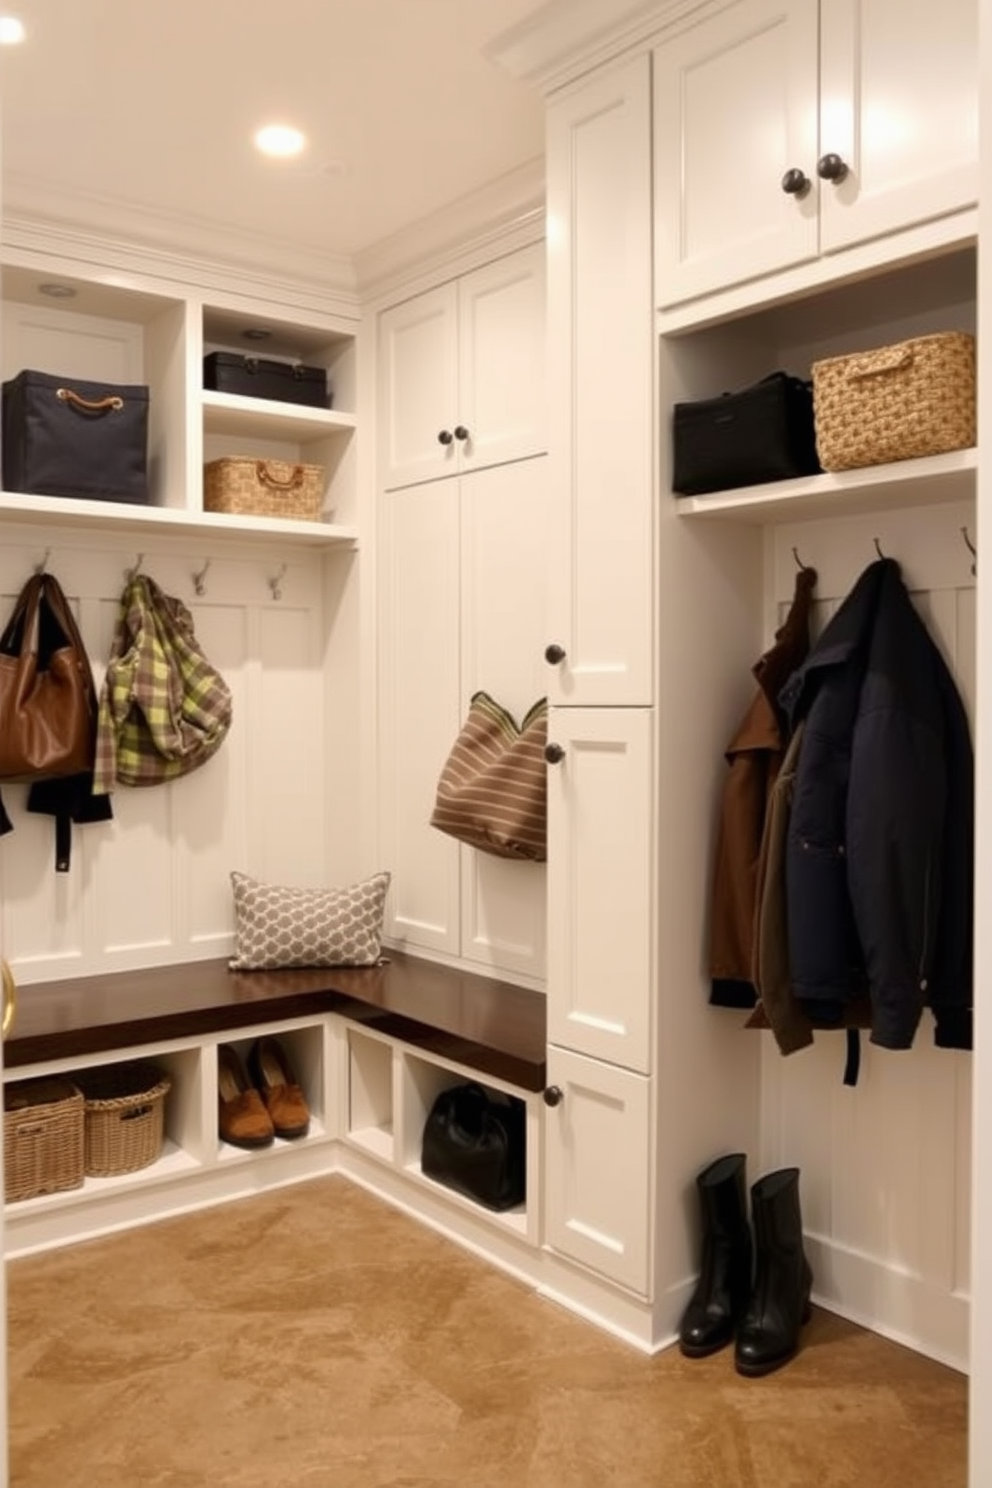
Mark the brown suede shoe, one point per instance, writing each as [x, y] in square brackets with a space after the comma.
[243, 1120]
[274, 1079]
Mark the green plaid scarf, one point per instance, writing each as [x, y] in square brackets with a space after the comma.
[164, 710]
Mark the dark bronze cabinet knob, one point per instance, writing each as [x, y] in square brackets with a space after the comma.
[553, 1095]
[554, 653]
[461, 432]
[795, 182]
[445, 436]
[831, 168]
[554, 754]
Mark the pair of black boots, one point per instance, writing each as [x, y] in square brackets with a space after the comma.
[754, 1291]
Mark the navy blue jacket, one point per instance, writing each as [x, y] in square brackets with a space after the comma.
[880, 852]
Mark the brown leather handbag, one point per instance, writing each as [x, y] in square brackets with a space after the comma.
[48, 701]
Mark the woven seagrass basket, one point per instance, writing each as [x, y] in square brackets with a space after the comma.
[246, 487]
[125, 1116]
[897, 402]
[42, 1138]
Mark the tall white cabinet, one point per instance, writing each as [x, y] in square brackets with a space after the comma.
[464, 523]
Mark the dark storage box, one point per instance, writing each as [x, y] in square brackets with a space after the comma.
[66, 437]
[261, 377]
[763, 433]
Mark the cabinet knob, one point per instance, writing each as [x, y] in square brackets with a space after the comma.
[554, 653]
[554, 754]
[831, 168]
[795, 182]
[461, 432]
[445, 436]
[553, 1095]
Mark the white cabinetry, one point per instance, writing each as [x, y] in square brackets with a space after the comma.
[600, 890]
[462, 567]
[596, 1203]
[787, 131]
[462, 373]
[598, 1181]
[145, 331]
[600, 409]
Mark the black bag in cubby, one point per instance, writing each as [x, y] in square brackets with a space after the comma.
[475, 1141]
[66, 437]
[266, 377]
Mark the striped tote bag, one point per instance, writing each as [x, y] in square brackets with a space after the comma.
[492, 792]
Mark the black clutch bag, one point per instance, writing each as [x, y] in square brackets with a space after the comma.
[476, 1143]
[763, 433]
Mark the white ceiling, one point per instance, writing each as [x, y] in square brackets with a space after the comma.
[119, 110]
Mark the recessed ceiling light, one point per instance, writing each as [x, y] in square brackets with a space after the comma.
[256, 333]
[56, 291]
[280, 140]
[11, 30]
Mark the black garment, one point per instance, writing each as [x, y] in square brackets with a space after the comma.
[879, 860]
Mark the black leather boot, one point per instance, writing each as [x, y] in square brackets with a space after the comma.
[769, 1333]
[724, 1284]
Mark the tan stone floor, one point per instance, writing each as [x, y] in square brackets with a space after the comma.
[316, 1338]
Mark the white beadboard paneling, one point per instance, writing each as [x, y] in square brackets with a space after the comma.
[885, 1165]
[153, 885]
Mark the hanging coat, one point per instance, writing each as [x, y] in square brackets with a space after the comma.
[754, 757]
[879, 870]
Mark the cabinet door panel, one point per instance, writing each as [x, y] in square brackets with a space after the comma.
[419, 710]
[600, 382]
[597, 1168]
[900, 105]
[418, 387]
[735, 108]
[505, 537]
[501, 360]
[600, 802]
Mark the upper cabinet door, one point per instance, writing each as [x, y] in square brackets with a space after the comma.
[601, 399]
[899, 105]
[735, 109]
[500, 413]
[418, 388]
[461, 373]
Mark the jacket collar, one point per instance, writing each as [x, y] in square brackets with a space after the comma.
[846, 633]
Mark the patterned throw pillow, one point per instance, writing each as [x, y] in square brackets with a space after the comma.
[279, 927]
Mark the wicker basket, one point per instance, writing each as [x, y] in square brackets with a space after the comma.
[125, 1116]
[42, 1138]
[898, 402]
[246, 487]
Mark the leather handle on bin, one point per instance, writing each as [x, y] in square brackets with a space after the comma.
[268, 479]
[111, 404]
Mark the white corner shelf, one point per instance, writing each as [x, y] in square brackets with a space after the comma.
[231, 413]
[168, 520]
[928, 481]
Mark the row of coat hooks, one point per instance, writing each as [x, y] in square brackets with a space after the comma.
[198, 578]
[878, 549]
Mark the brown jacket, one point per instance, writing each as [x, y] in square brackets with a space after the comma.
[754, 757]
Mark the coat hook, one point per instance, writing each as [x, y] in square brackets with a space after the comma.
[40, 568]
[802, 567]
[132, 573]
[971, 549]
[198, 578]
[275, 583]
[878, 549]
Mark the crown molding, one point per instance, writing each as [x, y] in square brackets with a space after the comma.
[567, 38]
[188, 250]
[505, 214]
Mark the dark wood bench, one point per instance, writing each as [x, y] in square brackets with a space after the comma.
[491, 1026]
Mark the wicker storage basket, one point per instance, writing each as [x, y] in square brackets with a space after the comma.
[898, 402]
[246, 487]
[42, 1138]
[125, 1116]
